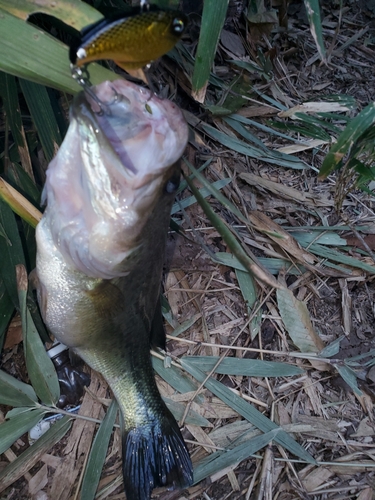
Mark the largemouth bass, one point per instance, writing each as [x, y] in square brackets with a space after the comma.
[101, 241]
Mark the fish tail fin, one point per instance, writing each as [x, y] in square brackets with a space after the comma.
[155, 455]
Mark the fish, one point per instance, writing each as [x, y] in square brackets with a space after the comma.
[100, 248]
[132, 41]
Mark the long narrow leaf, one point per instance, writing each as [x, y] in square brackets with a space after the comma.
[98, 453]
[19, 204]
[40, 368]
[245, 367]
[6, 311]
[231, 241]
[13, 392]
[223, 459]
[247, 411]
[353, 131]
[216, 193]
[213, 18]
[32, 455]
[313, 14]
[9, 94]
[43, 117]
[12, 429]
[46, 60]
[10, 250]
[75, 13]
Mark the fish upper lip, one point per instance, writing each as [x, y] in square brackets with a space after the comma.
[138, 135]
[82, 112]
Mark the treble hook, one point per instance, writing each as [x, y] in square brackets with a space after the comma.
[82, 77]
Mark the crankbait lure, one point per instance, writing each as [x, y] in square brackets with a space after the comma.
[131, 41]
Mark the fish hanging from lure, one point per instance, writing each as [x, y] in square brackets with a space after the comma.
[132, 41]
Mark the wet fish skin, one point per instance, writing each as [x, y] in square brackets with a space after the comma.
[100, 255]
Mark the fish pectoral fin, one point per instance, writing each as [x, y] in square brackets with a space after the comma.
[107, 298]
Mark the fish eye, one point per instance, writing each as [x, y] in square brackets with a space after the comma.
[178, 25]
[172, 184]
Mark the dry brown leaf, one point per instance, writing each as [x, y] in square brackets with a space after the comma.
[296, 318]
[317, 478]
[365, 428]
[14, 333]
[79, 442]
[253, 111]
[276, 233]
[366, 494]
[313, 107]
[39, 480]
[346, 304]
[201, 437]
[326, 429]
[311, 199]
[297, 148]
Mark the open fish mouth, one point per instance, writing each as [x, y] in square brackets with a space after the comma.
[110, 172]
[147, 133]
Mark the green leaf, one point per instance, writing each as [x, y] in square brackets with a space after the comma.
[174, 377]
[24, 184]
[332, 348]
[10, 250]
[230, 239]
[14, 392]
[6, 312]
[43, 117]
[347, 139]
[98, 453]
[9, 94]
[349, 376]
[273, 157]
[192, 417]
[182, 327]
[247, 411]
[40, 368]
[222, 459]
[332, 254]
[46, 60]
[187, 202]
[274, 266]
[313, 14]
[33, 454]
[12, 429]
[211, 188]
[213, 17]
[75, 13]
[245, 367]
[249, 293]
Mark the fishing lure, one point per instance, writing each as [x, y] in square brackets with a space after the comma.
[131, 41]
